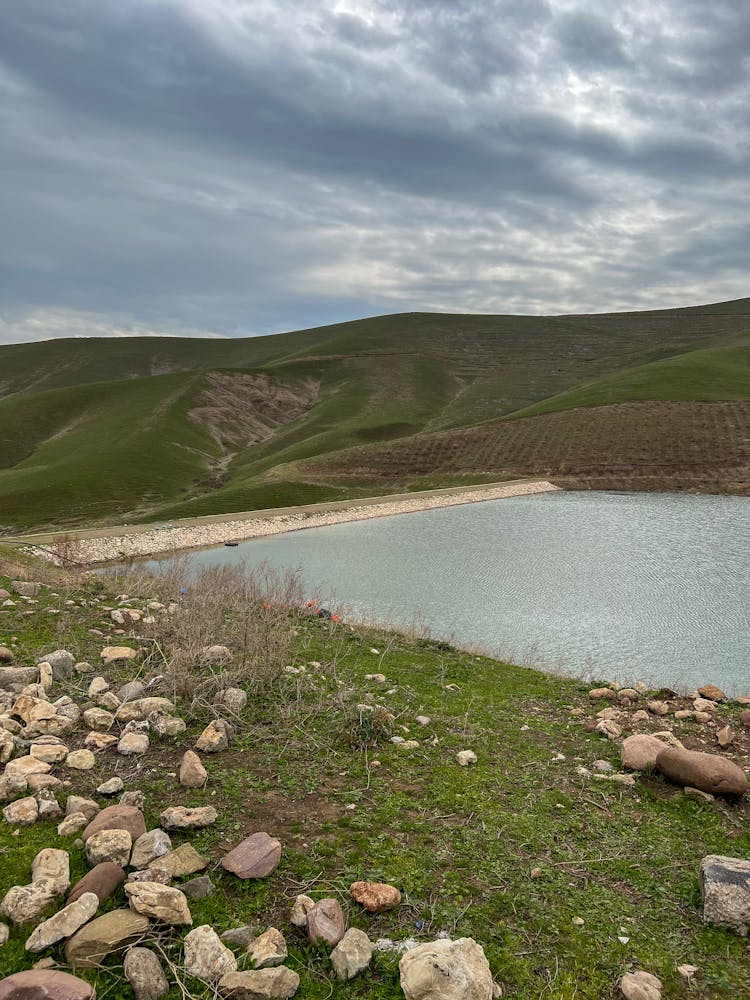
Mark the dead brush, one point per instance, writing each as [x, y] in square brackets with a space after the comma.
[254, 613]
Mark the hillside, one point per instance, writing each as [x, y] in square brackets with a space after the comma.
[99, 430]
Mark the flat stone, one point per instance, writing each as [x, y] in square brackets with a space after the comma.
[260, 984]
[81, 760]
[184, 860]
[111, 786]
[103, 936]
[49, 749]
[18, 675]
[104, 880]
[24, 766]
[99, 741]
[205, 956]
[118, 817]
[64, 923]
[148, 847]
[98, 719]
[697, 795]
[144, 972]
[192, 773]
[133, 744]
[640, 985]
[240, 937]
[45, 984]
[109, 845]
[325, 922]
[352, 954]
[254, 857]
[111, 654]
[198, 888]
[725, 885]
[268, 949]
[184, 818]
[376, 897]
[162, 902]
[708, 772]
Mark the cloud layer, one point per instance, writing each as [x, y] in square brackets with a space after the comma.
[248, 166]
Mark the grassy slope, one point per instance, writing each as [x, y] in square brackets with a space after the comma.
[459, 843]
[96, 430]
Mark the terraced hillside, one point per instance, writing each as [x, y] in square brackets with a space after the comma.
[100, 431]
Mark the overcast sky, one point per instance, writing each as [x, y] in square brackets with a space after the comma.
[236, 167]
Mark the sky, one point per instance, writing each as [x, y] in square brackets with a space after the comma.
[237, 167]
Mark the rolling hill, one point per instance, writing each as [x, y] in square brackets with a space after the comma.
[96, 431]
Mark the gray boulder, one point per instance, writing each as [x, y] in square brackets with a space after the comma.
[725, 885]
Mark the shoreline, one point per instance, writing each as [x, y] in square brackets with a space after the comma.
[141, 542]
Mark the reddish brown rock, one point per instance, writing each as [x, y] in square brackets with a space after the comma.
[707, 771]
[711, 692]
[325, 922]
[376, 897]
[117, 818]
[45, 984]
[255, 857]
[103, 880]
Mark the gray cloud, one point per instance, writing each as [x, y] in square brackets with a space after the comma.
[240, 167]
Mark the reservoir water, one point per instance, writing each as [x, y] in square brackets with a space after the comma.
[618, 586]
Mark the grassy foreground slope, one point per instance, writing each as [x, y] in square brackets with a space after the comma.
[99, 431]
[509, 851]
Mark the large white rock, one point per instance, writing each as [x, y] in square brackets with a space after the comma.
[206, 957]
[446, 970]
[352, 954]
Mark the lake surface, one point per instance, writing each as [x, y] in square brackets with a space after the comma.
[620, 586]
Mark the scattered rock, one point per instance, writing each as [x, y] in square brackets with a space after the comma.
[198, 888]
[268, 949]
[80, 760]
[744, 719]
[233, 700]
[97, 686]
[352, 954]
[162, 902]
[639, 752]
[98, 719]
[466, 757]
[111, 654]
[687, 971]
[640, 986]
[109, 845]
[697, 795]
[240, 937]
[64, 923]
[446, 970]
[103, 936]
[6, 655]
[184, 818]
[131, 744]
[725, 736]
[302, 906]
[71, 825]
[184, 860]
[206, 958]
[167, 725]
[725, 885]
[78, 804]
[376, 897]
[260, 984]
[602, 694]
[111, 787]
[104, 880]
[61, 662]
[215, 737]
[45, 984]
[131, 691]
[711, 692]
[708, 772]
[150, 846]
[145, 974]
[609, 728]
[142, 708]
[325, 922]
[704, 705]
[658, 707]
[192, 773]
[216, 654]
[255, 857]
[22, 812]
[117, 817]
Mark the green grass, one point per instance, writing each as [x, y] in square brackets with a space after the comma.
[97, 431]
[459, 843]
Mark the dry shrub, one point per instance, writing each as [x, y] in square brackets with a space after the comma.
[253, 612]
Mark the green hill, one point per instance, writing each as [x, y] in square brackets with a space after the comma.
[103, 430]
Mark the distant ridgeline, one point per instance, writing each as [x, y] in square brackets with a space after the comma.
[96, 431]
